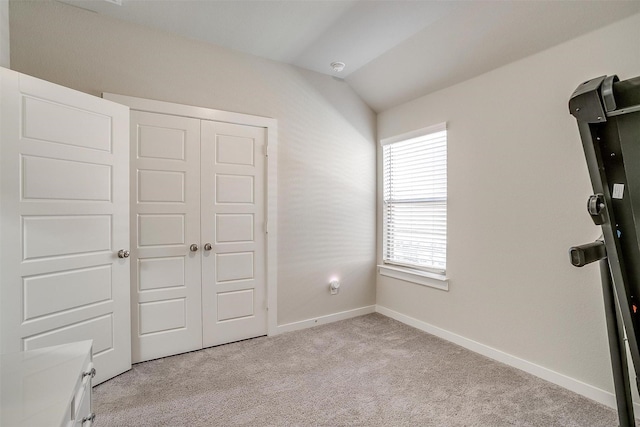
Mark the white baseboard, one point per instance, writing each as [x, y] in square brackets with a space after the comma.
[576, 386]
[322, 320]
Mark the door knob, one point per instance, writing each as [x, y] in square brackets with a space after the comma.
[193, 248]
[207, 246]
[123, 253]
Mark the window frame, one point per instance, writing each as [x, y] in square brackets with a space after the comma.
[436, 278]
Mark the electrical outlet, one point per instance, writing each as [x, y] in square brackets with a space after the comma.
[334, 287]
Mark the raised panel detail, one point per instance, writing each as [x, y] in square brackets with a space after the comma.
[234, 150]
[234, 189]
[158, 273]
[84, 129]
[42, 294]
[234, 228]
[63, 235]
[234, 266]
[160, 143]
[160, 186]
[98, 329]
[156, 230]
[161, 316]
[234, 305]
[45, 178]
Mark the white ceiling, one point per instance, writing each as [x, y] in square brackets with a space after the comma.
[394, 50]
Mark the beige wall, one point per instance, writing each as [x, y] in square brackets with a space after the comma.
[518, 181]
[4, 33]
[518, 186]
[326, 171]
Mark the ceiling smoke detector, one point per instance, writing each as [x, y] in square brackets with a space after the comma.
[337, 66]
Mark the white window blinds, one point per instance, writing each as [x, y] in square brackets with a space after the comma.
[415, 200]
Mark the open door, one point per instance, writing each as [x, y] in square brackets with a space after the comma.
[64, 180]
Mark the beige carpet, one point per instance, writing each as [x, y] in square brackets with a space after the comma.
[367, 371]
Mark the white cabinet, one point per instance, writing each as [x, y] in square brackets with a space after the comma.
[50, 386]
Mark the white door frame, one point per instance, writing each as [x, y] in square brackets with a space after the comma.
[271, 125]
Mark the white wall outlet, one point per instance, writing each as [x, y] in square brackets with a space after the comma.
[334, 287]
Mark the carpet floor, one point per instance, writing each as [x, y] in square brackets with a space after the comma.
[366, 371]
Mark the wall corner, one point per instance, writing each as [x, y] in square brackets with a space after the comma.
[4, 34]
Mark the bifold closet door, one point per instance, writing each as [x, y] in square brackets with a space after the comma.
[234, 303]
[65, 217]
[165, 223]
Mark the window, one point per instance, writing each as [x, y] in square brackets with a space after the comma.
[415, 201]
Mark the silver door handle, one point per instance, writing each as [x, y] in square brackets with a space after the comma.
[123, 253]
[90, 418]
[193, 248]
[91, 373]
[207, 246]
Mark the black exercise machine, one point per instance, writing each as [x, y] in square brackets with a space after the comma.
[608, 115]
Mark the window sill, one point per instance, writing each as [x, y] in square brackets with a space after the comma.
[424, 278]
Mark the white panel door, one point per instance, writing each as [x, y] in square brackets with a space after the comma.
[65, 216]
[234, 305]
[165, 195]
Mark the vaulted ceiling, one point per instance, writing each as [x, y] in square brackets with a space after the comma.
[394, 50]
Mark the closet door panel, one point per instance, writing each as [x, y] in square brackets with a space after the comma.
[233, 215]
[166, 308]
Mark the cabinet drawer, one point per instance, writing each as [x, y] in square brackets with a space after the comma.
[83, 412]
[84, 388]
[81, 407]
